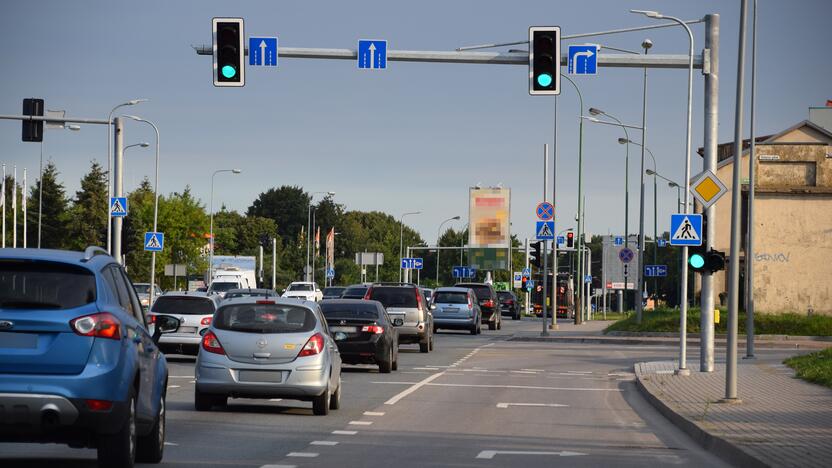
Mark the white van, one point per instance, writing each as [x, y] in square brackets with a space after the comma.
[231, 278]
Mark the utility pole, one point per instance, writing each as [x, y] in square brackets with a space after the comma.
[274, 264]
[554, 325]
[118, 179]
[527, 267]
[545, 250]
[752, 159]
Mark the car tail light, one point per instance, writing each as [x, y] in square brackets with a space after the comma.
[313, 346]
[470, 302]
[488, 303]
[206, 321]
[211, 343]
[101, 325]
[265, 302]
[99, 405]
[152, 318]
[376, 329]
[510, 302]
[420, 301]
[368, 293]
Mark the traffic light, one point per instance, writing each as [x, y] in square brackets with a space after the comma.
[33, 129]
[702, 260]
[524, 282]
[544, 60]
[536, 254]
[570, 239]
[229, 52]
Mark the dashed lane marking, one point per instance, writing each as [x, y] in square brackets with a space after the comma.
[173, 386]
[360, 423]
[345, 432]
[182, 377]
[373, 413]
[302, 454]
[279, 466]
[538, 405]
[324, 442]
[526, 387]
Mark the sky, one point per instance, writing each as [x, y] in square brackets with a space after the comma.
[413, 137]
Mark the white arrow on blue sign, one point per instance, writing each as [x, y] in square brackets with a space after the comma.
[583, 59]
[655, 270]
[372, 55]
[412, 263]
[154, 241]
[262, 51]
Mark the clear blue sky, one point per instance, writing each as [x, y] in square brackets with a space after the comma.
[413, 137]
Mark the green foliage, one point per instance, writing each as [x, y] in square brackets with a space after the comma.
[815, 367]
[287, 206]
[54, 215]
[87, 219]
[667, 320]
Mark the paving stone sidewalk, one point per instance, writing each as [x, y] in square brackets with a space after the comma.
[782, 421]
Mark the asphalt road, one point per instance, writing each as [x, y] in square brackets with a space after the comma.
[478, 401]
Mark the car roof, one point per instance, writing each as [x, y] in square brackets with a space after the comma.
[91, 260]
[359, 286]
[277, 300]
[350, 301]
[452, 289]
[301, 282]
[198, 294]
[251, 291]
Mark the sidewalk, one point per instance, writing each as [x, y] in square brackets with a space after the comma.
[782, 421]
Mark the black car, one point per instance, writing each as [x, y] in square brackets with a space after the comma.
[489, 304]
[334, 292]
[355, 291]
[508, 304]
[363, 332]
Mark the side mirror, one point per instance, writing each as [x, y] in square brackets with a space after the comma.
[433, 307]
[164, 324]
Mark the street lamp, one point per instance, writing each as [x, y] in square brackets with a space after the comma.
[683, 315]
[155, 203]
[131, 102]
[578, 317]
[438, 232]
[401, 238]
[307, 274]
[211, 255]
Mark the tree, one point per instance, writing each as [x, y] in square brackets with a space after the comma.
[87, 220]
[54, 215]
[287, 206]
[138, 221]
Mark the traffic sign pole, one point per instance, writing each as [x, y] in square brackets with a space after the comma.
[544, 305]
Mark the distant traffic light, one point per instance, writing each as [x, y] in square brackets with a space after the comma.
[229, 52]
[544, 60]
[570, 239]
[536, 254]
[524, 282]
[33, 129]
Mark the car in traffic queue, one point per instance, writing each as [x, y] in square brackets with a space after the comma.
[194, 310]
[456, 309]
[305, 290]
[143, 290]
[509, 304]
[263, 348]
[355, 291]
[333, 292]
[488, 302]
[406, 307]
[250, 292]
[78, 364]
[363, 332]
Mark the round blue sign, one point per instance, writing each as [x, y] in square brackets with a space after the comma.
[545, 211]
[626, 255]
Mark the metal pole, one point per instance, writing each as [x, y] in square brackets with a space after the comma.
[14, 208]
[655, 242]
[211, 233]
[527, 267]
[554, 325]
[544, 306]
[118, 162]
[155, 214]
[752, 160]
[3, 185]
[274, 264]
[315, 247]
[401, 243]
[736, 222]
[40, 192]
[25, 209]
[711, 92]
[308, 238]
[640, 272]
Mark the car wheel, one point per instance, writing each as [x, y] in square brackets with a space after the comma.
[492, 325]
[430, 343]
[119, 449]
[474, 329]
[424, 348]
[320, 404]
[204, 402]
[150, 448]
[396, 362]
[335, 399]
[387, 365]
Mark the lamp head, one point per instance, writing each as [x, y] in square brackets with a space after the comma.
[456, 218]
[136, 118]
[672, 184]
[595, 111]
[74, 127]
[650, 172]
[648, 13]
[144, 144]
[133, 102]
[623, 141]
[646, 44]
[236, 171]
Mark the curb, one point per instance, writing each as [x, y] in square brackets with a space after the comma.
[659, 342]
[723, 336]
[721, 447]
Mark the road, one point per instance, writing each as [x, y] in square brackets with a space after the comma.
[478, 401]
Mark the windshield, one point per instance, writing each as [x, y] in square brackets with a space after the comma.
[394, 296]
[333, 291]
[482, 292]
[450, 298]
[361, 310]
[142, 288]
[264, 318]
[183, 305]
[222, 287]
[504, 296]
[44, 285]
[358, 291]
[299, 287]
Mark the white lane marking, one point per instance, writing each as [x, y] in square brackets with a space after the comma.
[181, 377]
[173, 386]
[172, 444]
[413, 388]
[302, 454]
[192, 381]
[324, 442]
[579, 372]
[360, 423]
[373, 413]
[524, 387]
[534, 370]
[522, 372]
[413, 372]
[281, 399]
[279, 466]
[545, 405]
[345, 432]
[489, 454]
[425, 368]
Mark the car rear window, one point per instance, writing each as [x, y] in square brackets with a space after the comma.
[333, 291]
[44, 285]
[504, 295]
[236, 294]
[348, 311]
[355, 292]
[482, 292]
[450, 298]
[264, 318]
[299, 287]
[223, 286]
[394, 296]
[183, 305]
[142, 288]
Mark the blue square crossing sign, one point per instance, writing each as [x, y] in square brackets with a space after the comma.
[686, 229]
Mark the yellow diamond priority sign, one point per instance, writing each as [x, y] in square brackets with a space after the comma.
[708, 189]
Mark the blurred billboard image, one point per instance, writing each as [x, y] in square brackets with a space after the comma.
[488, 214]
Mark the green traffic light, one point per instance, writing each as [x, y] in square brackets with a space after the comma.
[696, 261]
[228, 71]
[544, 79]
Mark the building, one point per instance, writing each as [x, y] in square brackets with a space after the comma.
[793, 217]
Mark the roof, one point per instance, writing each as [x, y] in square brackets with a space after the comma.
[277, 300]
[258, 291]
[452, 289]
[349, 301]
[724, 151]
[52, 255]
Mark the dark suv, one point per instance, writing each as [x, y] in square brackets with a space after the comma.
[489, 304]
[408, 311]
[508, 304]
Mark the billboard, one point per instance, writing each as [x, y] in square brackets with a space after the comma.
[489, 216]
[242, 262]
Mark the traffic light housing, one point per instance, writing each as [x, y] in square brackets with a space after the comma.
[524, 282]
[536, 254]
[570, 239]
[702, 260]
[544, 60]
[229, 52]
[33, 129]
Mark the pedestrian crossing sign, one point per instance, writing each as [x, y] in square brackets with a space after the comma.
[545, 230]
[118, 206]
[154, 241]
[686, 229]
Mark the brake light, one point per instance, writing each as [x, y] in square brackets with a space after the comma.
[211, 343]
[376, 329]
[99, 405]
[206, 321]
[101, 325]
[152, 319]
[470, 302]
[419, 299]
[265, 302]
[510, 301]
[368, 293]
[488, 303]
[313, 346]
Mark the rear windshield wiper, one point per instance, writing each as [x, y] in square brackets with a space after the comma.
[29, 305]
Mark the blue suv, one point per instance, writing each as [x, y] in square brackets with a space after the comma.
[77, 362]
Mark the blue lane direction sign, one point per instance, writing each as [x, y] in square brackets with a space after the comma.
[619, 241]
[154, 241]
[655, 270]
[545, 211]
[686, 229]
[118, 207]
[372, 55]
[463, 272]
[412, 263]
[545, 230]
[662, 242]
[262, 51]
[626, 255]
[583, 59]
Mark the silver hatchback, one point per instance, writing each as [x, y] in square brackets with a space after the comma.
[268, 348]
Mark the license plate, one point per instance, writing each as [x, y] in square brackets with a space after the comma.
[18, 340]
[186, 330]
[343, 329]
[450, 309]
[261, 376]
[397, 322]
